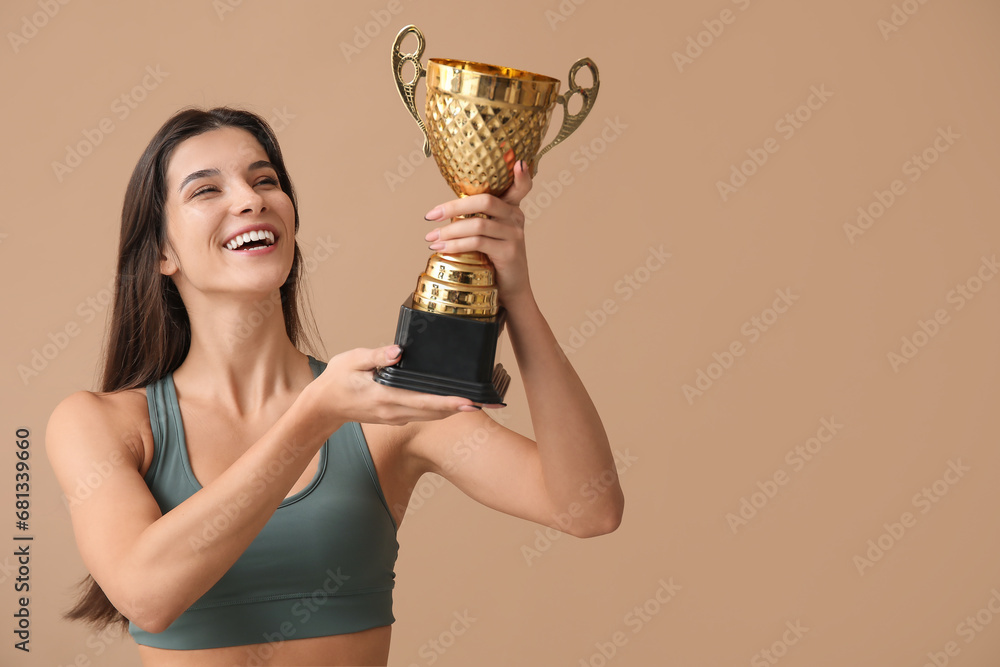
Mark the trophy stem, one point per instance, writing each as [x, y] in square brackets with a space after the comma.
[472, 258]
[460, 284]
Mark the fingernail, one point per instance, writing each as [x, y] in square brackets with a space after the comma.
[436, 246]
[524, 166]
[434, 214]
[468, 408]
[433, 235]
[395, 354]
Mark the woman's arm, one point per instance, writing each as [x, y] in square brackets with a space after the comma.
[569, 471]
[154, 566]
[573, 447]
[566, 479]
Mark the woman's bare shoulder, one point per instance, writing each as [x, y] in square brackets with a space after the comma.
[98, 423]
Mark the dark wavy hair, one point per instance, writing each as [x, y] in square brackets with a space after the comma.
[149, 333]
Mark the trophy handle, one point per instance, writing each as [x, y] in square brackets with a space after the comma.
[572, 121]
[407, 91]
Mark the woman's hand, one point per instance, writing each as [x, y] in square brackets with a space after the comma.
[500, 236]
[346, 391]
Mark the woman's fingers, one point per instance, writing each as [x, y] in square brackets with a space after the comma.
[366, 359]
[489, 235]
[495, 249]
[373, 402]
[521, 186]
[471, 227]
[504, 207]
[416, 402]
[494, 207]
[482, 234]
[384, 356]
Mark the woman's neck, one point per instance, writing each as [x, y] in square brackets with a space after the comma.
[240, 353]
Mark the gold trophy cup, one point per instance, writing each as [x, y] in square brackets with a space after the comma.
[481, 119]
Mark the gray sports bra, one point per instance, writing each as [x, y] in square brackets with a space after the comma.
[322, 565]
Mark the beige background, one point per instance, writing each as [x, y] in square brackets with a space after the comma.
[670, 134]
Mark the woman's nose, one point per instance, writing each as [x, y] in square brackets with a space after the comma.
[247, 200]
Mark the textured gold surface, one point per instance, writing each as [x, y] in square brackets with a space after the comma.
[476, 140]
[443, 297]
[448, 270]
[480, 120]
[461, 284]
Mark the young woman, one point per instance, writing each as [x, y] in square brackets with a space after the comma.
[250, 495]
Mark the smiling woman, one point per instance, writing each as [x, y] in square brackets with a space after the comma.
[253, 493]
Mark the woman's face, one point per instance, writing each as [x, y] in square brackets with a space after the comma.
[230, 227]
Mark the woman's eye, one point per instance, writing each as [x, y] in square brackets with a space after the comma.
[203, 189]
[267, 180]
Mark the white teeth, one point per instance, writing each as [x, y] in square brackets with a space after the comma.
[256, 235]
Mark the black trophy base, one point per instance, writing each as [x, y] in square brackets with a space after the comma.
[448, 355]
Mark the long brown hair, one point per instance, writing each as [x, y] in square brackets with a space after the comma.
[149, 332]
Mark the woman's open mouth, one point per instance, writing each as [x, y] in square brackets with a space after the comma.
[251, 240]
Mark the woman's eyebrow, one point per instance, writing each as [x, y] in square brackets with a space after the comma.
[261, 164]
[195, 175]
[203, 173]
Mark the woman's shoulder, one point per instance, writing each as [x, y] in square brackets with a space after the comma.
[100, 423]
[101, 405]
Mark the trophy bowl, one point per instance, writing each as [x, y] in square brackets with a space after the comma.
[480, 121]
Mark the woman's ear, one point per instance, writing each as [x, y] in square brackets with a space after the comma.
[168, 262]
